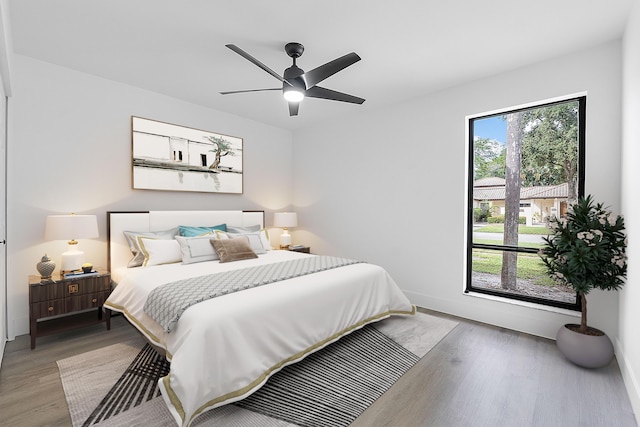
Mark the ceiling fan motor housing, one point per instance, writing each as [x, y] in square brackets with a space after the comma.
[294, 49]
[292, 75]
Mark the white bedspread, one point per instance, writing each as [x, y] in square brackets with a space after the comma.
[225, 348]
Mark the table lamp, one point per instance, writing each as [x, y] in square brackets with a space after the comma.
[285, 220]
[71, 227]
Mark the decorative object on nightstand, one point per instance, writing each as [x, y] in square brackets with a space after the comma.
[45, 267]
[300, 248]
[56, 306]
[71, 227]
[285, 220]
[87, 267]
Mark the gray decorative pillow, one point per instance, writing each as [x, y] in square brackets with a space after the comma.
[132, 241]
[249, 229]
[233, 249]
[196, 249]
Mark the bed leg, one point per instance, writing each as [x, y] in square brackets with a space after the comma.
[107, 317]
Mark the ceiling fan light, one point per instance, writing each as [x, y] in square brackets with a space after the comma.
[293, 95]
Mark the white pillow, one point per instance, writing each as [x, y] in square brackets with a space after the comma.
[158, 251]
[132, 241]
[264, 234]
[197, 249]
[264, 237]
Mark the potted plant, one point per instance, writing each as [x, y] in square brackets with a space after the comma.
[586, 251]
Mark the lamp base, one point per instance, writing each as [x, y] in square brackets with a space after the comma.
[72, 259]
[285, 239]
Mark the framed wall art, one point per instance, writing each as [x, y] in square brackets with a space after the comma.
[177, 158]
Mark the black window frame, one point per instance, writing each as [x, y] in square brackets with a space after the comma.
[582, 111]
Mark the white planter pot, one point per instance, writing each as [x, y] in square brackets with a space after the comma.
[588, 351]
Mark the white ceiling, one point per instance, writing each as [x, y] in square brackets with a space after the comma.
[408, 47]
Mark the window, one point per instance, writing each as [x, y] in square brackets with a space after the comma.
[526, 166]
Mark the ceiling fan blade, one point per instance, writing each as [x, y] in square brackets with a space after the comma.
[324, 93]
[293, 108]
[322, 72]
[250, 58]
[249, 90]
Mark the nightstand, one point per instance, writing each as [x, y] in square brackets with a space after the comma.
[61, 304]
[303, 249]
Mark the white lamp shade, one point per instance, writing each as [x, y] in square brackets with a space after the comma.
[71, 227]
[285, 219]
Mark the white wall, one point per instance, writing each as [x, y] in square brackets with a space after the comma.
[629, 344]
[3, 248]
[70, 151]
[389, 186]
[5, 90]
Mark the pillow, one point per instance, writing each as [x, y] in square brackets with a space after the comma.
[264, 237]
[196, 249]
[254, 239]
[132, 241]
[264, 234]
[159, 251]
[233, 249]
[189, 231]
[232, 229]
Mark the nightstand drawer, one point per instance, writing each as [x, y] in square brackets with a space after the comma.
[48, 308]
[88, 285]
[49, 290]
[83, 302]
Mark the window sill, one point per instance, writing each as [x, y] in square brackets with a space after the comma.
[531, 305]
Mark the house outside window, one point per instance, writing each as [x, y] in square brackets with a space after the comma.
[526, 166]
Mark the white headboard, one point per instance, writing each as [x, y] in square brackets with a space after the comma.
[117, 222]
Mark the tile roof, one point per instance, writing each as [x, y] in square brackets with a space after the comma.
[489, 182]
[540, 192]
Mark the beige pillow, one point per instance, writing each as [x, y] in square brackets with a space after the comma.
[233, 249]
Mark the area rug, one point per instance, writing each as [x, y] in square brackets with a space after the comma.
[117, 385]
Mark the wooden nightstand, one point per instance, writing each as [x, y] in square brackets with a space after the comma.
[68, 300]
[303, 249]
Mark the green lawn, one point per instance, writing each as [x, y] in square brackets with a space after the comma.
[522, 229]
[530, 266]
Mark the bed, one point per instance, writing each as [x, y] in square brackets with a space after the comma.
[224, 348]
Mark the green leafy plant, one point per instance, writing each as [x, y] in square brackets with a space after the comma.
[587, 250]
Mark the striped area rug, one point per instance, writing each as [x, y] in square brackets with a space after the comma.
[138, 384]
[331, 387]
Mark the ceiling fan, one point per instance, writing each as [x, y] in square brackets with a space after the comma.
[296, 84]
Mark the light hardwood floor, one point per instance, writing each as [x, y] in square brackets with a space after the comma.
[478, 375]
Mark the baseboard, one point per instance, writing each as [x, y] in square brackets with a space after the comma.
[630, 378]
[536, 320]
[3, 342]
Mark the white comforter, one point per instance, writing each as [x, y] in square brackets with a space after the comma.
[225, 348]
